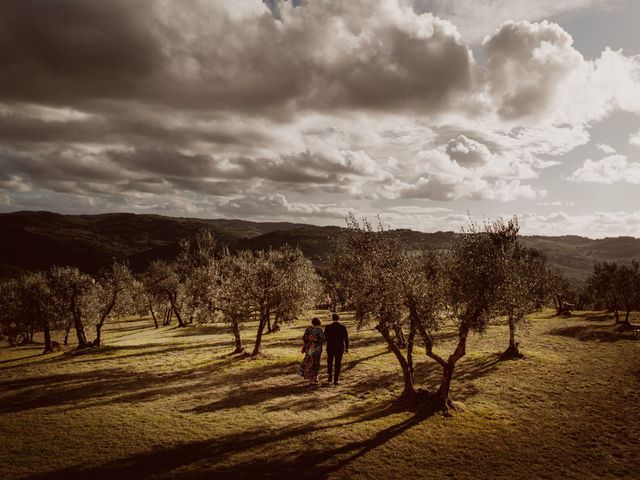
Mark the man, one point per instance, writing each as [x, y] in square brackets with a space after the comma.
[337, 343]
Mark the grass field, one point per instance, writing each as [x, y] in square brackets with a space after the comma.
[171, 403]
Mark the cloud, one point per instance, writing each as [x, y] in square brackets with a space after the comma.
[612, 169]
[439, 188]
[536, 76]
[207, 104]
[634, 139]
[478, 18]
[277, 206]
[210, 54]
[604, 148]
[594, 225]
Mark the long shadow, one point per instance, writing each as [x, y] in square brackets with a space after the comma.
[16, 359]
[351, 364]
[599, 317]
[125, 327]
[470, 370]
[595, 333]
[192, 331]
[109, 386]
[107, 352]
[204, 457]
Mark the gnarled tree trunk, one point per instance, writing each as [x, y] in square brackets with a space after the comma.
[235, 329]
[48, 348]
[264, 318]
[407, 372]
[153, 315]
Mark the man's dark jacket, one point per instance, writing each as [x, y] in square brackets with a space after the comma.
[337, 337]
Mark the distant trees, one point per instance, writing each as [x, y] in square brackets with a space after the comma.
[204, 283]
[616, 287]
[65, 298]
[28, 305]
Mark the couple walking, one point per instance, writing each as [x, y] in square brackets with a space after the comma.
[337, 339]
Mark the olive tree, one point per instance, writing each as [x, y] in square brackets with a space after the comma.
[72, 291]
[524, 290]
[28, 304]
[198, 267]
[423, 290]
[234, 274]
[111, 296]
[164, 282]
[281, 283]
[617, 287]
[397, 288]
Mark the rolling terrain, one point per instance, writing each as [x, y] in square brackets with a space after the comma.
[38, 240]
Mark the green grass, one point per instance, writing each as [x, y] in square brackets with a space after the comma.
[171, 403]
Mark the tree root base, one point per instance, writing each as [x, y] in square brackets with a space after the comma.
[427, 402]
[512, 353]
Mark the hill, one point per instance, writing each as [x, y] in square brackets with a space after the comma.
[38, 240]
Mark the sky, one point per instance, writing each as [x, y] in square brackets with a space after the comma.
[425, 113]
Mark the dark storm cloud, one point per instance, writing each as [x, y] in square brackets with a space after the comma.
[197, 55]
[56, 52]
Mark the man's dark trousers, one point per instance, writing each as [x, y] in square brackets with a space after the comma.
[334, 362]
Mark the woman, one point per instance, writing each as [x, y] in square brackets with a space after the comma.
[313, 339]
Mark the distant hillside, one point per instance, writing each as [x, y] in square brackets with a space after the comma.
[38, 240]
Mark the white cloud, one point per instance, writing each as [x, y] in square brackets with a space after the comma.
[604, 148]
[612, 169]
[277, 205]
[536, 76]
[634, 139]
[481, 17]
[595, 225]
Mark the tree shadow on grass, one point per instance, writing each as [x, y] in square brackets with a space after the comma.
[111, 386]
[205, 459]
[595, 333]
[112, 352]
[211, 329]
[599, 317]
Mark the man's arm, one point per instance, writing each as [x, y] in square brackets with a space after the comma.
[346, 339]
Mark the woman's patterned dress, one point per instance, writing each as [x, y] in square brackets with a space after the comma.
[313, 339]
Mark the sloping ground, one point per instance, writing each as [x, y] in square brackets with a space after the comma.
[171, 403]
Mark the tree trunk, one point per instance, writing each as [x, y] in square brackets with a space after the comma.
[407, 373]
[98, 339]
[626, 316]
[410, 342]
[235, 329]
[616, 315]
[48, 348]
[400, 339]
[153, 315]
[82, 337]
[175, 310]
[269, 329]
[443, 398]
[264, 317]
[513, 350]
[276, 323]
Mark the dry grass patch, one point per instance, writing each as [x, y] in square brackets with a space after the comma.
[172, 403]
